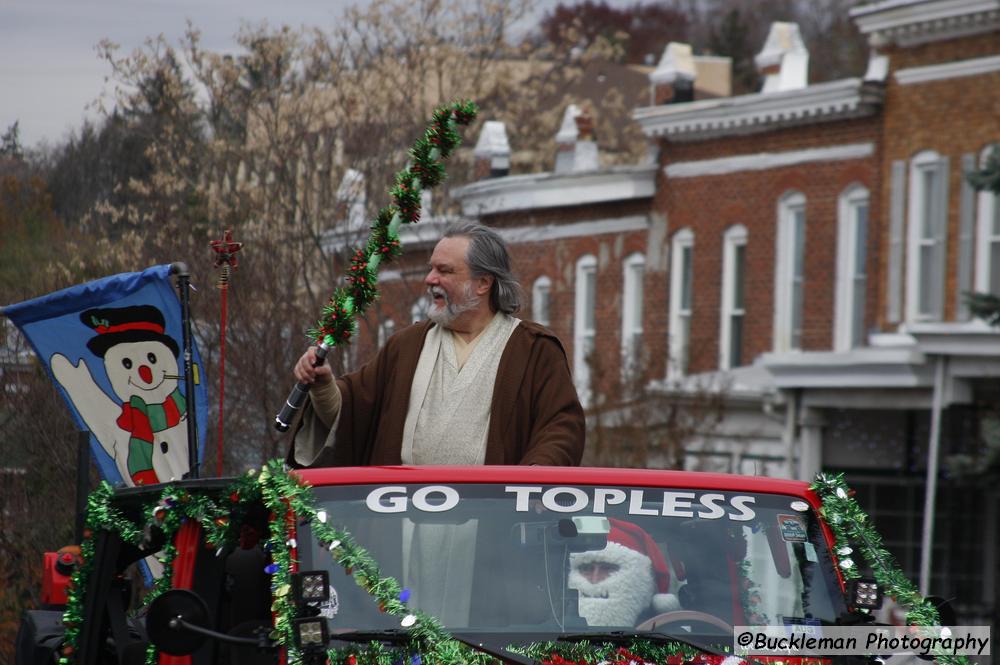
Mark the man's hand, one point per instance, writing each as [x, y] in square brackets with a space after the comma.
[305, 370]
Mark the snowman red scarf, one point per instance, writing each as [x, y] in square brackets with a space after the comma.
[141, 421]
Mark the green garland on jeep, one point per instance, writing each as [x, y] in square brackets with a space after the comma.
[289, 501]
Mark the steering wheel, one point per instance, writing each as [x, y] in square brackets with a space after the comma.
[683, 616]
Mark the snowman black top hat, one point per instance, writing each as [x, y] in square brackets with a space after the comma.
[120, 325]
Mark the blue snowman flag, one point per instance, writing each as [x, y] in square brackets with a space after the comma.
[113, 347]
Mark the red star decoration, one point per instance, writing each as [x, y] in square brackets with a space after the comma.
[226, 249]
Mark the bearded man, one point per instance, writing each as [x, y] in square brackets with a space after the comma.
[472, 385]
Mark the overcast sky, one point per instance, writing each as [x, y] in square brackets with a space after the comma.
[49, 69]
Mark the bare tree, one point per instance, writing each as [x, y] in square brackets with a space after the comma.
[635, 423]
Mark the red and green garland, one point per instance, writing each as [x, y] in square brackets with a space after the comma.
[850, 525]
[289, 500]
[426, 170]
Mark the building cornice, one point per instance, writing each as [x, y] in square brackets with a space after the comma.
[912, 22]
[970, 339]
[767, 160]
[948, 70]
[870, 367]
[760, 112]
[550, 190]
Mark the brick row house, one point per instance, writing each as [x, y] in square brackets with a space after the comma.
[802, 253]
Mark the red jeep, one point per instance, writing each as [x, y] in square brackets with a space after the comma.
[506, 559]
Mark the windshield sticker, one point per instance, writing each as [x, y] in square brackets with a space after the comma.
[793, 528]
[329, 608]
[800, 506]
[708, 506]
[811, 553]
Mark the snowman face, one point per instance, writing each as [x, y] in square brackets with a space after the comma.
[146, 369]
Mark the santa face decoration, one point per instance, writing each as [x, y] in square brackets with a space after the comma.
[615, 585]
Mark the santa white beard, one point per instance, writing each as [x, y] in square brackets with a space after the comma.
[621, 597]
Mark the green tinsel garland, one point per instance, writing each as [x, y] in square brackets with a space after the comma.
[850, 524]
[288, 499]
[426, 170]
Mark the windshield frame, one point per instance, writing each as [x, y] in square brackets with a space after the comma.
[586, 477]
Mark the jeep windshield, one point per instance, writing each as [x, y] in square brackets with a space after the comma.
[533, 561]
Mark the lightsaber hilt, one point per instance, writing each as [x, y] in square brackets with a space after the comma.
[297, 398]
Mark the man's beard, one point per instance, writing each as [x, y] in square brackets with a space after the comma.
[445, 316]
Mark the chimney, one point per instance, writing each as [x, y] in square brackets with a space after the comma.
[784, 60]
[576, 149]
[673, 80]
[492, 153]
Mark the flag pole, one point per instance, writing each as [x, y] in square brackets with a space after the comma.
[183, 288]
[82, 481]
[225, 251]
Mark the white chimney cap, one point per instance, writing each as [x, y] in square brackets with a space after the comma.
[677, 62]
[492, 140]
[783, 38]
[784, 47]
[568, 131]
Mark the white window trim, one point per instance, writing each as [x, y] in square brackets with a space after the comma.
[631, 319]
[676, 341]
[986, 207]
[913, 238]
[847, 229]
[581, 371]
[735, 236]
[541, 284]
[783, 271]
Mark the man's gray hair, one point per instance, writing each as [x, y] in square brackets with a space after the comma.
[488, 255]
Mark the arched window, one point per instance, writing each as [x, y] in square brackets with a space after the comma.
[541, 296]
[734, 245]
[681, 301]
[789, 275]
[584, 328]
[852, 275]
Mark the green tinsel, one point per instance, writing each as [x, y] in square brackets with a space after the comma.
[337, 323]
[850, 525]
[288, 499]
[285, 492]
[100, 516]
[406, 196]
[363, 280]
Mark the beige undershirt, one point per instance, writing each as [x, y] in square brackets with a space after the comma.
[449, 412]
[464, 349]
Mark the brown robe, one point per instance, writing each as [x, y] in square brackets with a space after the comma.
[535, 416]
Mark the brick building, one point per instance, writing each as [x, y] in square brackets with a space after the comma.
[801, 251]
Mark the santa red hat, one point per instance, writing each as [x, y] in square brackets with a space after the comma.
[636, 539]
